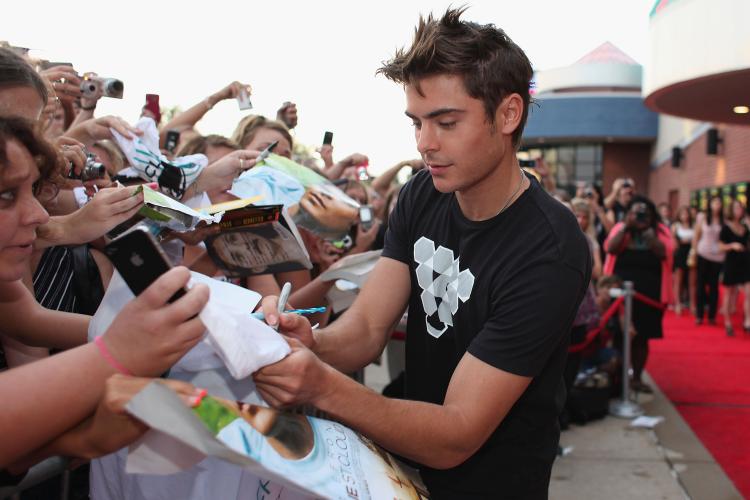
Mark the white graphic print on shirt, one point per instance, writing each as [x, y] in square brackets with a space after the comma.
[449, 285]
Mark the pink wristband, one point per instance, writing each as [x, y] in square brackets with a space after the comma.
[99, 341]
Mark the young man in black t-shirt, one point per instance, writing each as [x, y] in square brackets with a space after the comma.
[491, 268]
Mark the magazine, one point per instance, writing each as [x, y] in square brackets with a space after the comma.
[313, 202]
[350, 275]
[253, 240]
[170, 213]
[313, 456]
[354, 268]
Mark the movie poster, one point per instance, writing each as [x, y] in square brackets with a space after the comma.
[313, 456]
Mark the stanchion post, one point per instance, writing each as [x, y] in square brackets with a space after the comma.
[625, 408]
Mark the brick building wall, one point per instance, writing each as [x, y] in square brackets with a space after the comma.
[626, 160]
[699, 170]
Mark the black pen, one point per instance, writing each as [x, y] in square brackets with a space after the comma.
[264, 154]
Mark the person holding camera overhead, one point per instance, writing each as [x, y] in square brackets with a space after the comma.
[640, 250]
[619, 198]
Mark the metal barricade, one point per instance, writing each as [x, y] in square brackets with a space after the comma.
[39, 473]
[625, 407]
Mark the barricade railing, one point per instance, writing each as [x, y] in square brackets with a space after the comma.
[625, 407]
[39, 473]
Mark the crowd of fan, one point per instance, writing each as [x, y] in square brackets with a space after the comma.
[675, 263]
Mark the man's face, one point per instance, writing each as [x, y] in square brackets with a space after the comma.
[453, 135]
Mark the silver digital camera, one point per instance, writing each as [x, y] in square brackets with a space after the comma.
[93, 87]
[92, 170]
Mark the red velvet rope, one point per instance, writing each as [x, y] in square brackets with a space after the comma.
[592, 334]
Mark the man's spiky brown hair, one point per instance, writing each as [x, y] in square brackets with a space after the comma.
[491, 65]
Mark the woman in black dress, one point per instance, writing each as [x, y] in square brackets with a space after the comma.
[733, 240]
[639, 259]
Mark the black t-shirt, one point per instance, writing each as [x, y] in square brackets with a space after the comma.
[506, 290]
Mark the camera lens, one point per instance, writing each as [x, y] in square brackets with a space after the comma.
[117, 86]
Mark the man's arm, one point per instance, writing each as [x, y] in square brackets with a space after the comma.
[361, 333]
[412, 429]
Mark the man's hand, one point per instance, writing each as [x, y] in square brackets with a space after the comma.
[287, 114]
[295, 326]
[219, 175]
[300, 378]
[150, 334]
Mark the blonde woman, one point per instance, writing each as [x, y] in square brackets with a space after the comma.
[585, 215]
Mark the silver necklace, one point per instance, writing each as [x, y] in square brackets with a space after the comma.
[518, 189]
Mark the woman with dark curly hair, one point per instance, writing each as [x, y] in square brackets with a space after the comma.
[74, 381]
[640, 250]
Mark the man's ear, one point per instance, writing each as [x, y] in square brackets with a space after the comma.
[509, 114]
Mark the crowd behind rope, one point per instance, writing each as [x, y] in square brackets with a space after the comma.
[53, 273]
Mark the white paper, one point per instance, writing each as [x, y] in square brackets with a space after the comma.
[354, 268]
[234, 339]
[145, 157]
[646, 422]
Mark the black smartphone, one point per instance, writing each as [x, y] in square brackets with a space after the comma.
[173, 138]
[527, 163]
[328, 138]
[139, 259]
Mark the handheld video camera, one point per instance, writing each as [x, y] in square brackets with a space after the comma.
[92, 170]
[93, 86]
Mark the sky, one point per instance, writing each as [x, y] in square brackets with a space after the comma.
[321, 55]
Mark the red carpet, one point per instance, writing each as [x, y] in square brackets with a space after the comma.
[706, 375]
